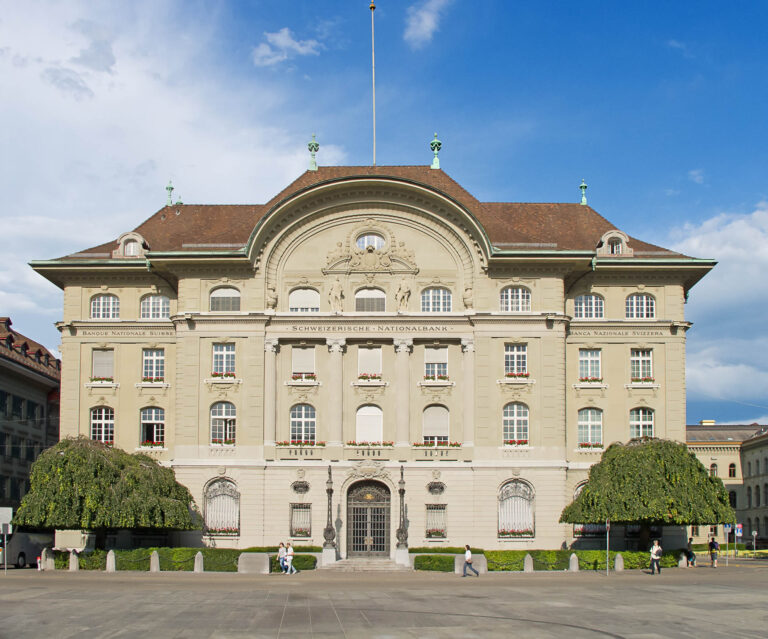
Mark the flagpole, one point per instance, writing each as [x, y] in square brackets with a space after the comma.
[373, 79]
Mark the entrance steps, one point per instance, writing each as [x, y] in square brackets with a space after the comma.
[365, 564]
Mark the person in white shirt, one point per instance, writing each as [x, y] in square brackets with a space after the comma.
[289, 569]
[656, 557]
[281, 556]
[468, 562]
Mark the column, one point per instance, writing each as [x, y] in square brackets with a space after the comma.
[403, 391]
[270, 390]
[336, 391]
[468, 361]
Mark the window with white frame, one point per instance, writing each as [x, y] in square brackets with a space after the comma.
[515, 299]
[590, 364]
[436, 521]
[221, 507]
[103, 424]
[304, 300]
[105, 307]
[641, 306]
[370, 300]
[223, 360]
[590, 427]
[303, 423]
[436, 300]
[435, 362]
[152, 426]
[436, 425]
[155, 307]
[225, 299]
[301, 520]
[516, 510]
[102, 365]
[640, 422]
[515, 359]
[303, 363]
[515, 424]
[370, 239]
[614, 246]
[641, 364]
[153, 365]
[223, 424]
[369, 424]
[588, 307]
[713, 470]
[369, 362]
[131, 248]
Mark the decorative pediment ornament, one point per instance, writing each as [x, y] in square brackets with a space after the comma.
[516, 488]
[392, 258]
[436, 487]
[221, 487]
[368, 470]
[300, 487]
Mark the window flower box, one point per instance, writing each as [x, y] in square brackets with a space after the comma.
[222, 442]
[227, 375]
[509, 533]
[437, 444]
[643, 380]
[516, 442]
[297, 442]
[517, 375]
[223, 532]
[300, 377]
[436, 533]
[369, 377]
[153, 380]
[590, 380]
[149, 444]
[371, 444]
[590, 445]
[437, 378]
[102, 380]
[300, 532]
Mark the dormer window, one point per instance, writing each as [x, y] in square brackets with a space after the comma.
[131, 248]
[614, 242]
[129, 245]
[614, 246]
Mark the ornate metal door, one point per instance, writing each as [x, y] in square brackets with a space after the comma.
[368, 505]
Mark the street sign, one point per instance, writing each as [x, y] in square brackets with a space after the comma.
[739, 530]
[726, 528]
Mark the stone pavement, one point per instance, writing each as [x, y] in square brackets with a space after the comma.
[727, 602]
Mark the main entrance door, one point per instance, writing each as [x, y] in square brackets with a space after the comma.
[368, 520]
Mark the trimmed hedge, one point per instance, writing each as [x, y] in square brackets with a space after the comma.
[511, 560]
[429, 550]
[300, 562]
[438, 563]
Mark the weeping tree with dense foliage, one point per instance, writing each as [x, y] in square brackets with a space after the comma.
[83, 484]
[650, 482]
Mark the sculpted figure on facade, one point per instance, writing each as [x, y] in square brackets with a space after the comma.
[335, 296]
[271, 298]
[403, 295]
[468, 298]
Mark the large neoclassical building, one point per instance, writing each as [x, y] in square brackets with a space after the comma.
[369, 319]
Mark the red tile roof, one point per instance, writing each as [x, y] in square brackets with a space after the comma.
[16, 347]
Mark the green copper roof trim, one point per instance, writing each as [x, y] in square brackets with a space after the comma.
[84, 262]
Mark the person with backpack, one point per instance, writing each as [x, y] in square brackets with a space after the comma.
[714, 548]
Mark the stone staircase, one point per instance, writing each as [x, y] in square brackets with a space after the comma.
[365, 564]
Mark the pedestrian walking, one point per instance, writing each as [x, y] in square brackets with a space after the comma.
[689, 554]
[468, 562]
[656, 557]
[289, 568]
[714, 548]
[281, 556]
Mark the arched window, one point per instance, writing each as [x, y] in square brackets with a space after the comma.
[757, 467]
[105, 307]
[757, 496]
[370, 300]
[436, 300]
[588, 307]
[713, 470]
[749, 496]
[515, 299]
[152, 426]
[155, 307]
[222, 507]
[732, 470]
[304, 300]
[641, 306]
[614, 246]
[225, 299]
[765, 495]
[131, 248]
[303, 424]
[516, 510]
[223, 424]
[640, 423]
[370, 239]
[590, 428]
[436, 421]
[732, 498]
[515, 424]
[369, 424]
[749, 469]
[103, 424]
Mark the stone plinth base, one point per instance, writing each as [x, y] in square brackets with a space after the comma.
[254, 563]
[479, 563]
[402, 557]
[329, 557]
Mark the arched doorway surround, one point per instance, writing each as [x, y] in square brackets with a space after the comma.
[368, 519]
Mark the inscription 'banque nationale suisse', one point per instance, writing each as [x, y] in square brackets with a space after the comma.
[362, 328]
[622, 333]
[125, 333]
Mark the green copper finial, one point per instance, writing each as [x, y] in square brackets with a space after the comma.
[435, 145]
[583, 187]
[169, 188]
[178, 201]
[313, 147]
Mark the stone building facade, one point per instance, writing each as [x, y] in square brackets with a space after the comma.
[369, 319]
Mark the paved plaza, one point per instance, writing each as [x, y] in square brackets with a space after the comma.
[698, 602]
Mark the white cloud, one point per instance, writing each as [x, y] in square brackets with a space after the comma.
[680, 46]
[696, 175]
[280, 46]
[421, 22]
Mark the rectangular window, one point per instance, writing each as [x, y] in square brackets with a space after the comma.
[713, 531]
[4, 445]
[694, 531]
[30, 451]
[3, 484]
[153, 365]
[436, 362]
[301, 520]
[17, 404]
[589, 364]
[641, 364]
[515, 359]
[436, 521]
[15, 448]
[303, 362]
[103, 364]
[224, 360]
[369, 360]
[152, 426]
[3, 403]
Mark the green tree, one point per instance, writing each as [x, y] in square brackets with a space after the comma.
[646, 482]
[82, 484]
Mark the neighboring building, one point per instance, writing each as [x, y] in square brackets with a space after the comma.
[492, 350]
[29, 409]
[754, 513]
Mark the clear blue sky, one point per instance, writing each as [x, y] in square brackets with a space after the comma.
[659, 106]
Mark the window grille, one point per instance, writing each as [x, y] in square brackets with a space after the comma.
[153, 364]
[515, 359]
[222, 507]
[589, 363]
[640, 423]
[641, 306]
[155, 307]
[369, 424]
[369, 360]
[515, 299]
[224, 358]
[103, 364]
[225, 299]
[103, 424]
[301, 520]
[590, 426]
[435, 361]
[436, 300]
[304, 300]
[105, 307]
[303, 423]
[515, 423]
[436, 424]
[516, 510]
[223, 423]
[152, 425]
[436, 521]
[370, 300]
[641, 363]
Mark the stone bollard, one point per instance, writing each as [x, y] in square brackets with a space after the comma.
[573, 563]
[111, 561]
[46, 559]
[253, 563]
[682, 562]
[199, 562]
[618, 563]
[154, 562]
[74, 562]
[528, 563]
